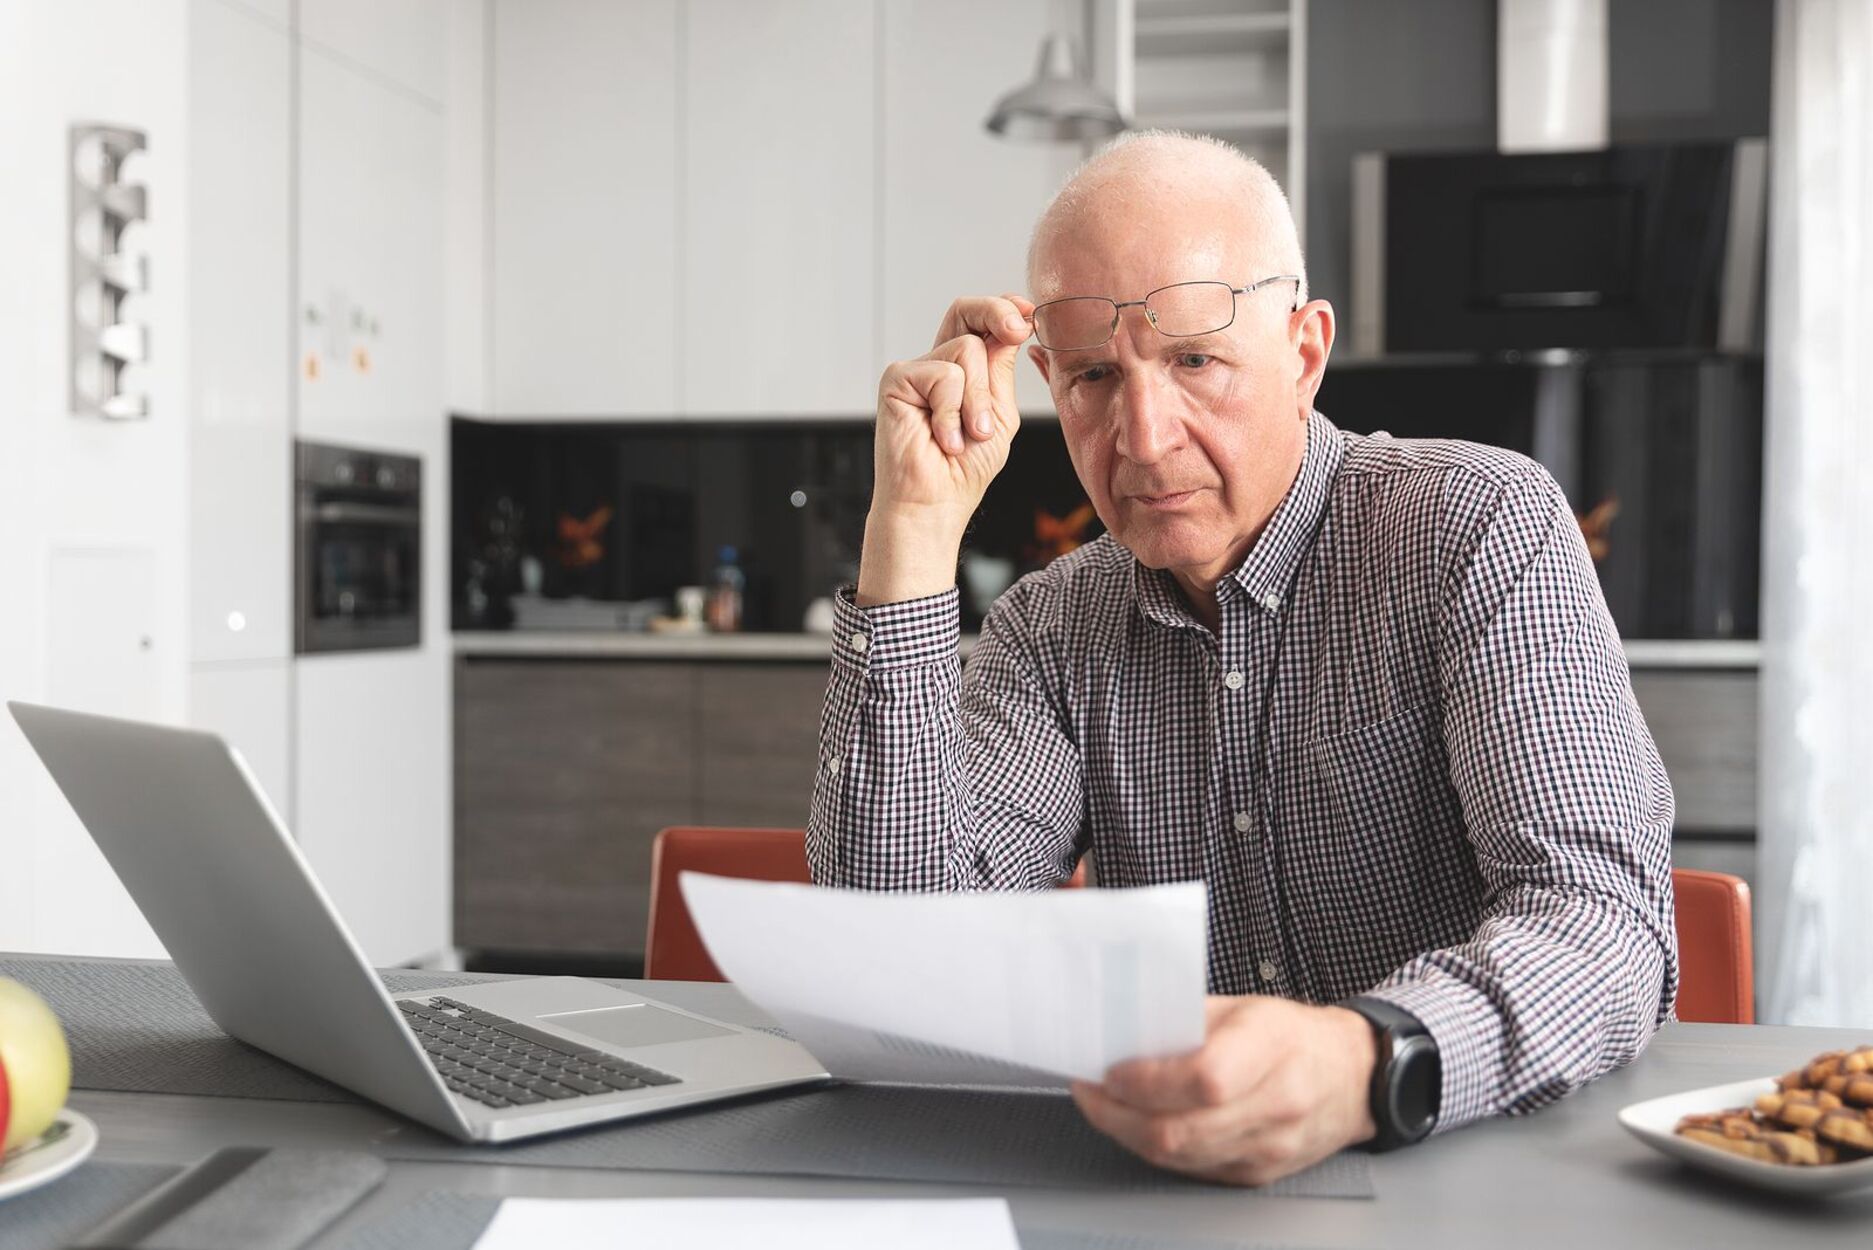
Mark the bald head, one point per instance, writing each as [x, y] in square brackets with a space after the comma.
[1147, 180]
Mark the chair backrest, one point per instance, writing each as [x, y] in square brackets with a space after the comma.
[1716, 978]
[673, 950]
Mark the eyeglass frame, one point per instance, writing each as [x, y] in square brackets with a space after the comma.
[1119, 307]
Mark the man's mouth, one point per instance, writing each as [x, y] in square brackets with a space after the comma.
[1174, 499]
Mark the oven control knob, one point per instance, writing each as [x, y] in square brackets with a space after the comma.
[342, 471]
[386, 477]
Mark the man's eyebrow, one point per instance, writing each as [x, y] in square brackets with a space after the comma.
[1195, 343]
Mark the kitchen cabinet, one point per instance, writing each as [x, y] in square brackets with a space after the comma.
[585, 310]
[956, 204]
[371, 730]
[399, 44]
[776, 294]
[370, 256]
[239, 317]
[250, 706]
[371, 769]
[567, 768]
[565, 772]
[715, 208]
[757, 743]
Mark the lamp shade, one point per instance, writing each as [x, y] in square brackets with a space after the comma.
[1060, 104]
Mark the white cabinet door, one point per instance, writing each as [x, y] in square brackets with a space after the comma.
[240, 355]
[370, 256]
[401, 41]
[958, 203]
[779, 196]
[585, 295]
[371, 774]
[250, 705]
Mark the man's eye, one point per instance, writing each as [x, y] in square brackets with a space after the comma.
[1194, 360]
[1096, 373]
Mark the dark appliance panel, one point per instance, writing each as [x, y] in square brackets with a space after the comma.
[358, 575]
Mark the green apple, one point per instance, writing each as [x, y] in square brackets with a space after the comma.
[35, 1066]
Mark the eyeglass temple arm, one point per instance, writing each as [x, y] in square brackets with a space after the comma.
[1295, 278]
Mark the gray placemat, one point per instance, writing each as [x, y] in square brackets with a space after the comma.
[446, 1221]
[432, 1221]
[138, 1027]
[1073, 1239]
[77, 1202]
[882, 1132]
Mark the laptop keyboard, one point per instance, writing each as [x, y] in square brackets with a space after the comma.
[502, 1063]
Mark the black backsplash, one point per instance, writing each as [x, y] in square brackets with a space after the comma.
[679, 491]
[1661, 456]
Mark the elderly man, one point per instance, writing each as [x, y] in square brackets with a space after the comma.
[1367, 689]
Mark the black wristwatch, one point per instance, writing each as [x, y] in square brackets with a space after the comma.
[1407, 1075]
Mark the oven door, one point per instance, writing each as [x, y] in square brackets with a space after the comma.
[360, 572]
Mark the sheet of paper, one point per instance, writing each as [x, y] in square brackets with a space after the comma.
[996, 988]
[769, 1223]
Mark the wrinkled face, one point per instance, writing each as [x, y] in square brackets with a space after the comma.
[1185, 445]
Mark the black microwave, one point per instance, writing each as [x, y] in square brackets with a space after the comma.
[1630, 247]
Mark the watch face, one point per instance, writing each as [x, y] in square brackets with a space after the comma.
[1417, 1087]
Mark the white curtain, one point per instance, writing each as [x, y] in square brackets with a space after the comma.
[1815, 908]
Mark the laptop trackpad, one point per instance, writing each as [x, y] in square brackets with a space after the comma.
[638, 1024]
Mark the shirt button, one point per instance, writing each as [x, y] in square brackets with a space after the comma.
[832, 765]
[1243, 822]
[1271, 600]
[1233, 679]
[858, 642]
[1268, 971]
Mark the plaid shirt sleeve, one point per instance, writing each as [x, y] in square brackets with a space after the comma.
[1574, 963]
[930, 780]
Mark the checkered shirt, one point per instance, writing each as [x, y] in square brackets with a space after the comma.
[1411, 765]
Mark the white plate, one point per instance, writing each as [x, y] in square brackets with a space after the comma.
[58, 1150]
[1652, 1122]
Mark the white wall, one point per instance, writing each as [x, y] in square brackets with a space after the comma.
[93, 516]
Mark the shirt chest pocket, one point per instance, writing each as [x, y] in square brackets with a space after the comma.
[1386, 782]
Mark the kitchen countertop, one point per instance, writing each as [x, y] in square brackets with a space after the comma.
[1640, 653]
[646, 646]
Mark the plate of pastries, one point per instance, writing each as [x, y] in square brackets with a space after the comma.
[1808, 1131]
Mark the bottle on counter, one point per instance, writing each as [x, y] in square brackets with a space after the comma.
[725, 592]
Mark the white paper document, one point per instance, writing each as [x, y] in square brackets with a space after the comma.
[1000, 988]
[770, 1223]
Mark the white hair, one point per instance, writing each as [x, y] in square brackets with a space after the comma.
[1140, 162]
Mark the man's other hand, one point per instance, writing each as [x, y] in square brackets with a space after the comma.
[1275, 1087]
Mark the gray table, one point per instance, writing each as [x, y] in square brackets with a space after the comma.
[1568, 1176]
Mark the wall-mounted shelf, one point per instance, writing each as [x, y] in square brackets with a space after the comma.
[108, 270]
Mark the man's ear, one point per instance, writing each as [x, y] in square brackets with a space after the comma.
[1039, 356]
[1314, 343]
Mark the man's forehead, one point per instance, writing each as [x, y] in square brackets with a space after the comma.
[1125, 255]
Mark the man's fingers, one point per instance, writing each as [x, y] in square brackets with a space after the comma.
[969, 352]
[1199, 1142]
[996, 318]
[929, 391]
[1228, 1066]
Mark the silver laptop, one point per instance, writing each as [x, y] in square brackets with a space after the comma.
[189, 832]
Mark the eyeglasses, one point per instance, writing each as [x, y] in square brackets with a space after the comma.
[1182, 310]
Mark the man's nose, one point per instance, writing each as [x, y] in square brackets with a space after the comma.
[1150, 423]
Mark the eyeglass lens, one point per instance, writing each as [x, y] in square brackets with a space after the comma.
[1181, 311]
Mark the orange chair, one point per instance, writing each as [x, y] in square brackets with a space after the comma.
[1716, 975]
[674, 950]
[1716, 969]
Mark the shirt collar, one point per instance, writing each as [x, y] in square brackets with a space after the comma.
[1271, 563]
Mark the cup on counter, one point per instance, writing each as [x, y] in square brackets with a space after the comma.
[690, 601]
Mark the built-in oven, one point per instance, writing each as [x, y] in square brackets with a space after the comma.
[1644, 247]
[358, 575]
